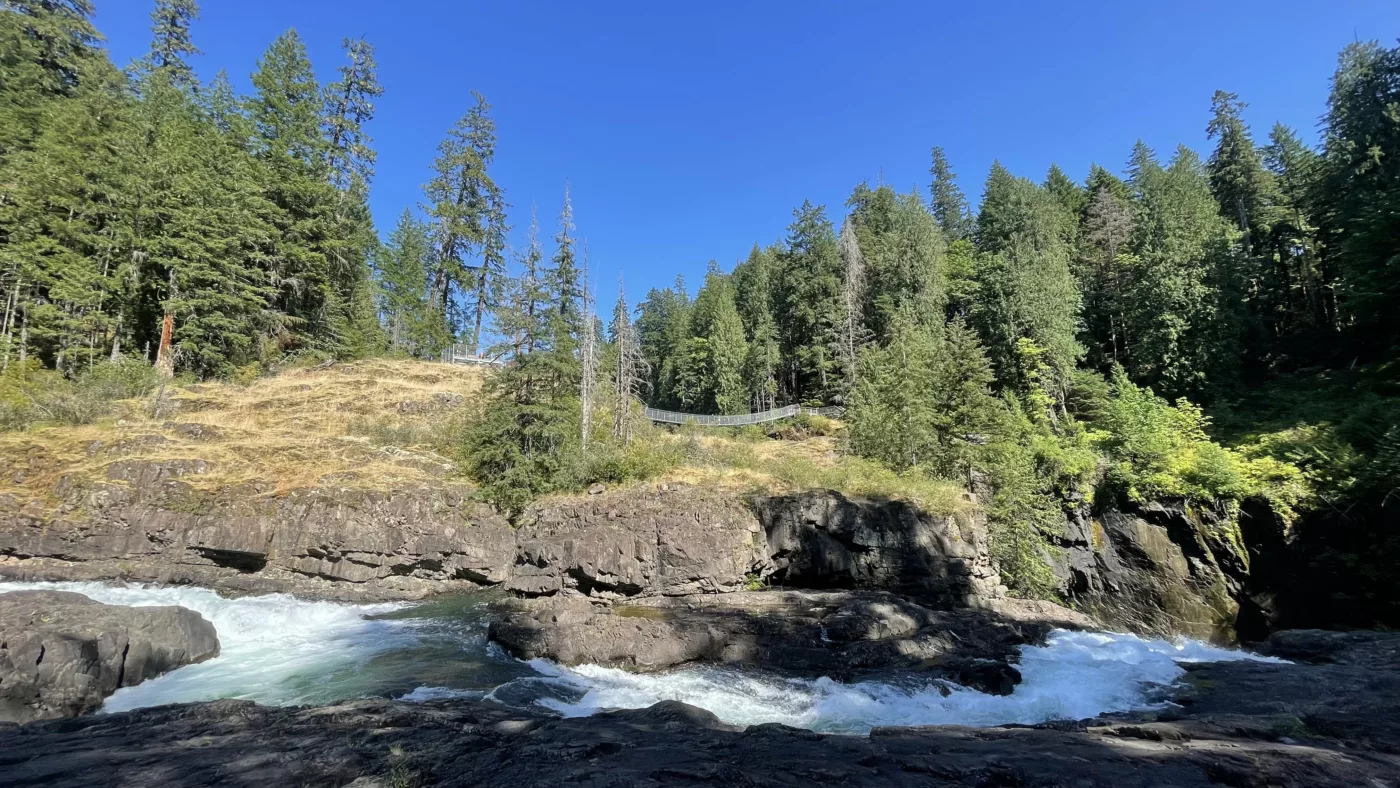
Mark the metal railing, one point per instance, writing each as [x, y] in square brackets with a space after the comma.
[461, 354]
[737, 420]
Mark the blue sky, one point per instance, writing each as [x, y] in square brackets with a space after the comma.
[690, 131]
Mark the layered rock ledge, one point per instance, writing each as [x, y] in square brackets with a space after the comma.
[62, 654]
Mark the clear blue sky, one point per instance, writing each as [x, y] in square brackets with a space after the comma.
[690, 131]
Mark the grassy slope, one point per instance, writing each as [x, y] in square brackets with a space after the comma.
[384, 423]
[372, 424]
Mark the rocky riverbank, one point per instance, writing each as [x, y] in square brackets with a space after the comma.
[1158, 569]
[1327, 720]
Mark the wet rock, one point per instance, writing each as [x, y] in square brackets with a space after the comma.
[842, 634]
[61, 653]
[1161, 568]
[1227, 735]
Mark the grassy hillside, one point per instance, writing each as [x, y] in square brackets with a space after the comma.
[386, 423]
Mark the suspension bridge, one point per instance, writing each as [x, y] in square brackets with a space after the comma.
[461, 354]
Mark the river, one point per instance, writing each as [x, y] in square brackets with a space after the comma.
[276, 649]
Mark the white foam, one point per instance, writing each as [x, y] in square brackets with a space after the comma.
[274, 648]
[280, 650]
[1074, 676]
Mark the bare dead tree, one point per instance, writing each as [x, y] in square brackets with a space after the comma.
[853, 333]
[632, 368]
[588, 355]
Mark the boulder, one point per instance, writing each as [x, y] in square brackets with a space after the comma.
[664, 540]
[841, 634]
[62, 654]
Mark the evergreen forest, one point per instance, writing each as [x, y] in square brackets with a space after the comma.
[1220, 326]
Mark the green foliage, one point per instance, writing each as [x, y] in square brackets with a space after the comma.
[1158, 450]
[31, 395]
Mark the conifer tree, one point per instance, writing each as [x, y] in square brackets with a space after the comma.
[171, 46]
[1184, 324]
[904, 254]
[464, 203]
[285, 112]
[1362, 156]
[565, 287]
[1296, 237]
[710, 369]
[630, 371]
[853, 334]
[753, 295]
[947, 202]
[1025, 288]
[808, 300]
[403, 285]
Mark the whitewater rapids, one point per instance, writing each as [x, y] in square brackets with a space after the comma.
[279, 650]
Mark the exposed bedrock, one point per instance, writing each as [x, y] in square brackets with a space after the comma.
[1156, 568]
[61, 654]
[841, 634]
[1243, 724]
[147, 522]
[1163, 568]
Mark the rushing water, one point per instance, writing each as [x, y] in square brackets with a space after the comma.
[280, 650]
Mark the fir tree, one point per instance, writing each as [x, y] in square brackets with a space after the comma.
[808, 300]
[403, 285]
[171, 46]
[947, 202]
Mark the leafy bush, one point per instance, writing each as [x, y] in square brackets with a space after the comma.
[1161, 450]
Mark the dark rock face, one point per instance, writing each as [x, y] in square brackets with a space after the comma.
[61, 654]
[825, 540]
[842, 634]
[1282, 727]
[642, 541]
[1159, 568]
[146, 523]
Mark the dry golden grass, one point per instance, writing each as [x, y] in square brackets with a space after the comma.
[371, 423]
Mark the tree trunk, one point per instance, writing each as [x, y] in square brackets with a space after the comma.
[480, 310]
[165, 354]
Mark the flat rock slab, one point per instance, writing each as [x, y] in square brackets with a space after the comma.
[62, 654]
[841, 634]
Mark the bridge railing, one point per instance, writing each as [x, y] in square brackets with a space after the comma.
[739, 419]
[461, 354]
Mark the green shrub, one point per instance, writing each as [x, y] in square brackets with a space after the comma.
[31, 395]
[1159, 450]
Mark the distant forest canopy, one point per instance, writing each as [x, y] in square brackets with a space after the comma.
[1022, 348]
[130, 196]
